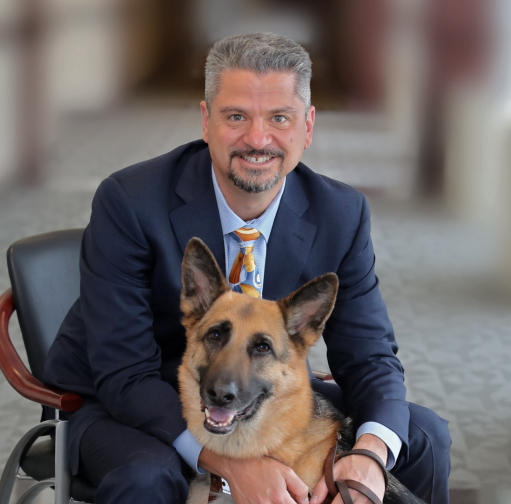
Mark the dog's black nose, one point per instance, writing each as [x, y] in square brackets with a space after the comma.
[223, 394]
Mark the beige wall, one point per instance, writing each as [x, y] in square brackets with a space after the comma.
[8, 61]
[87, 55]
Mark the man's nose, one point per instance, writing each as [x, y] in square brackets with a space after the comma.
[257, 135]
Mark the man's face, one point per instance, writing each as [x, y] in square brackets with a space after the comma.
[257, 130]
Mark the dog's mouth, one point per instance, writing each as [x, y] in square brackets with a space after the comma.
[222, 421]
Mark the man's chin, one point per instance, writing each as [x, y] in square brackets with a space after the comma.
[254, 185]
[255, 180]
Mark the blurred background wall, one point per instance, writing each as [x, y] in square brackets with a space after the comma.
[407, 60]
[414, 109]
[62, 56]
[434, 75]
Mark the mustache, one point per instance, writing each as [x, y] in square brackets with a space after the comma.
[258, 153]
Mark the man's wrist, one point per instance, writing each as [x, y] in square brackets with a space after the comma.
[189, 449]
[213, 463]
[374, 444]
[388, 436]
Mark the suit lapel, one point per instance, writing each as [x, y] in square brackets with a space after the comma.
[199, 216]
[290, 242]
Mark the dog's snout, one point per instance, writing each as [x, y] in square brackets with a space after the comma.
[223, 394]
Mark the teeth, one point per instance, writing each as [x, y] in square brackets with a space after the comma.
[207, 412]
[257, 160]
[218, 424]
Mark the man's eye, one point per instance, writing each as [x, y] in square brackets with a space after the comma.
[214, 335]
[279, 118]
[236, 117]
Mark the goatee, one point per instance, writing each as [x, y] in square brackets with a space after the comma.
[254, 180]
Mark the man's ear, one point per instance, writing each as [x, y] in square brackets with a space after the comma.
[203, 281]
[306, 310]
[309, 126]
[205, 118]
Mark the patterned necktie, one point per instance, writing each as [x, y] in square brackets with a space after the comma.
[245, 262]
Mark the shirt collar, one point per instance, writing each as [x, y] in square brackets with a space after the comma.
[230, 221]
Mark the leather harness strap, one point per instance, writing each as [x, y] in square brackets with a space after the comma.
[370, 454]
[215, 488]
[343, 486]
[356, 485]
[329, 471]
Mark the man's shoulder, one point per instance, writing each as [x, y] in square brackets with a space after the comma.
[167, 166]
[328, 192]
[149, 187]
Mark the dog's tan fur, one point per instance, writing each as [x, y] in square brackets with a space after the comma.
[292, 424]
[298, 439]
[293, 439]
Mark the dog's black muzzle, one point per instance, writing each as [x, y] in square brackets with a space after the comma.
[229, 396]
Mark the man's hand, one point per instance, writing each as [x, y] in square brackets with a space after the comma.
[257, 481]
[359, 468]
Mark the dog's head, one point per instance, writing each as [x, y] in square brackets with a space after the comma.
[245, 361]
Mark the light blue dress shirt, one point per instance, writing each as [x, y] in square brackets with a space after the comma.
[185, 443]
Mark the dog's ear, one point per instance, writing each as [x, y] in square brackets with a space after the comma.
[307, 309]
[203, 281]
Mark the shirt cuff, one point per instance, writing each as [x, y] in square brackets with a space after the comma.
[390, 438]
[188, 447]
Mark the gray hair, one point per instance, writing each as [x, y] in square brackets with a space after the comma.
[261, 53]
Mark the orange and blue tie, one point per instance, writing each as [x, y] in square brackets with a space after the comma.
[245, 263]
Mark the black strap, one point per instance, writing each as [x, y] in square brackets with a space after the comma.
[343, 486]
[364, 490]
[329, 471]
[370, 454]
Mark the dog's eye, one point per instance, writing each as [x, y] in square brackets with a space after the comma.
[214, 335]
[263, 347]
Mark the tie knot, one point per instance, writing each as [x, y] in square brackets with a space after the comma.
[244, 274]
[247, 234]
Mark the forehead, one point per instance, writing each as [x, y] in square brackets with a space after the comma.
[247, 88]
[247, 316]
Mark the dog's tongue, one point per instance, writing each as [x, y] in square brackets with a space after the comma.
[220, 414]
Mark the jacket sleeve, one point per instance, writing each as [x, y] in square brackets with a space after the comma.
[360, 340]
[115, 295]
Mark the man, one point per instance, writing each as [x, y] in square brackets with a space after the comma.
[121, 342]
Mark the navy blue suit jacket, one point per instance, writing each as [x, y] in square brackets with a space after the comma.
[122, 341]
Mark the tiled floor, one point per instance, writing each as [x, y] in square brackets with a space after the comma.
[453, 327]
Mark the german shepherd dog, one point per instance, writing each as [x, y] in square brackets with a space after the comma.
[244, 381]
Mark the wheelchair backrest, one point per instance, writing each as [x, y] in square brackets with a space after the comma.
[45, 281]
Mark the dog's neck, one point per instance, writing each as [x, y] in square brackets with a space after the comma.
[306, 448]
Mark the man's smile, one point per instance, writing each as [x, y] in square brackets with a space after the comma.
[255, 170]
[257, 160]
[258, 157]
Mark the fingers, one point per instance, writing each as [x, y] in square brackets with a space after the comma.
[296, 486]
[320, 492]
[280, 482]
